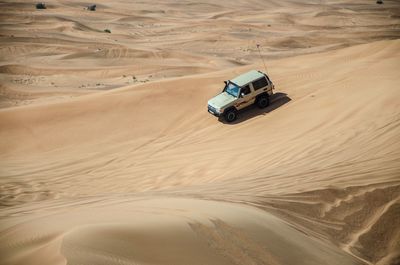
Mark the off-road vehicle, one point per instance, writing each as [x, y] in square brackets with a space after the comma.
[253, 87]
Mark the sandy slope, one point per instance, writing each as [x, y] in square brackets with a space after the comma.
[143, 175]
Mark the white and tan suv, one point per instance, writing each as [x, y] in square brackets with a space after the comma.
[253, 87]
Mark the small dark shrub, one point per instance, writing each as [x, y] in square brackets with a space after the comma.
[41, 5]
[107, 30]
[379, 2]
[92, 7]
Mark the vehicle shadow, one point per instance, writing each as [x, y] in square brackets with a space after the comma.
[276, 100]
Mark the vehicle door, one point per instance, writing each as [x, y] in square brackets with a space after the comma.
[245, 97]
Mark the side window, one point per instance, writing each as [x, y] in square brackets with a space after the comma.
[245, 90]
[260, 83]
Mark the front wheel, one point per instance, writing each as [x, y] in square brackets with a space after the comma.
[263, 102]
[230, 115]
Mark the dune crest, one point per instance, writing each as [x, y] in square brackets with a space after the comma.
[165, 231]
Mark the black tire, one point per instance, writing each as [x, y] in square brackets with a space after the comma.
[262, 101]
[230, 115]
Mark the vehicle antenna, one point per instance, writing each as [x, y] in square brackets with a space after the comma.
[259, 52]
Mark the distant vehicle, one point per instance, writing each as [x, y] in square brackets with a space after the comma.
[253, 87]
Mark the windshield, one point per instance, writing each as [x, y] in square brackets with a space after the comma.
[232, 89]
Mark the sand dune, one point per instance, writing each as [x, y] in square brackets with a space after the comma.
[64, 48]
[108, 155]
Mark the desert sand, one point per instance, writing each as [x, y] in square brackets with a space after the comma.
[108, 154]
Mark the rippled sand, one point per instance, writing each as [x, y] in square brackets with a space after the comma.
[108, 155]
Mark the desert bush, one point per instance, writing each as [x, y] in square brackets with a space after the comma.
[41, 5]
[92, 7]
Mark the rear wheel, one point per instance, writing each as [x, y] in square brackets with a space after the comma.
[263, 101]
[230, 115]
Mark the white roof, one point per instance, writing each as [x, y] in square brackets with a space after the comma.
[246, 78]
